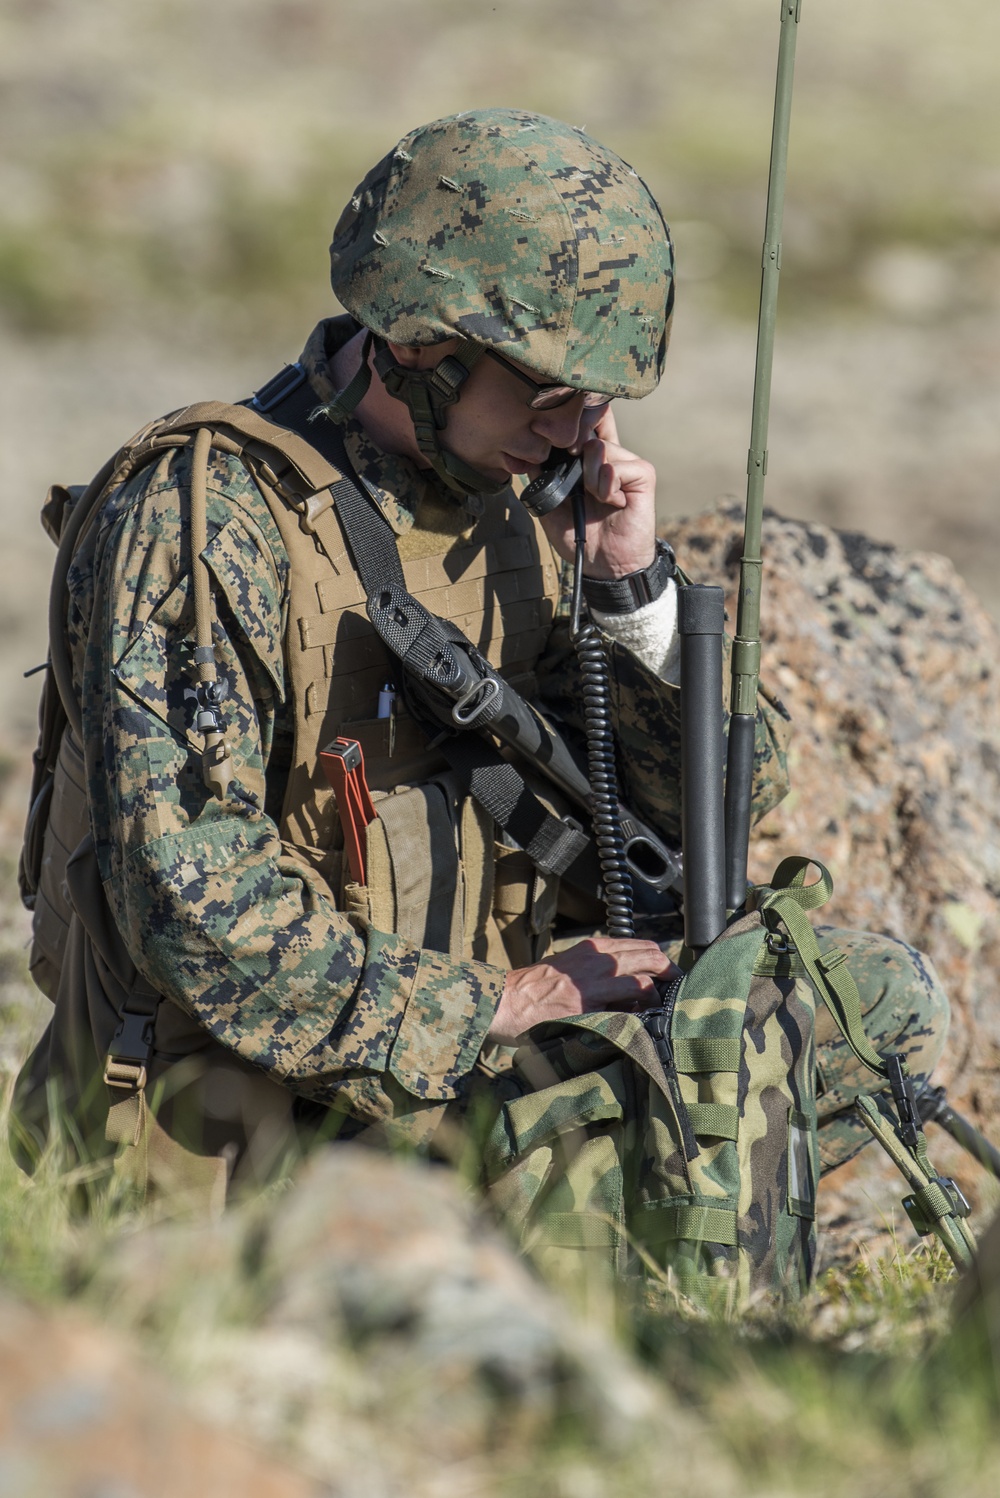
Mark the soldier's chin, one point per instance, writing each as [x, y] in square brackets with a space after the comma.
[516, 466]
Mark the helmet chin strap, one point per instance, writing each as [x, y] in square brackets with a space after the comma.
[428, 393]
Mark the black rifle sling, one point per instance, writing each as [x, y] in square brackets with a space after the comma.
[553, 845]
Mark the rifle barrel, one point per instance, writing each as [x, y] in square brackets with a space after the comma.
[934, 1107]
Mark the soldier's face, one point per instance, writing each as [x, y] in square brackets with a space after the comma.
[493, 427]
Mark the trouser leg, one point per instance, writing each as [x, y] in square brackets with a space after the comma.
[904, 1008]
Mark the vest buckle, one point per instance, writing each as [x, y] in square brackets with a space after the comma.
[277, 388]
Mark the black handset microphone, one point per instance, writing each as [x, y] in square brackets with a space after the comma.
[554, 484]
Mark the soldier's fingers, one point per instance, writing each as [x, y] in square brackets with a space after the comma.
[610, 471]
[598, 456]
[620, 993]
[618, 478]
[631, 955]
[605, 427]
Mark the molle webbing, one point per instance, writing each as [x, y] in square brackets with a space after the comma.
[551, 844]
[315, 505]
[496, 571]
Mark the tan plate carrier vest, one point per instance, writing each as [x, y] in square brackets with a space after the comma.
[435, 872]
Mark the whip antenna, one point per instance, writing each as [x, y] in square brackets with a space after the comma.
[746, 646]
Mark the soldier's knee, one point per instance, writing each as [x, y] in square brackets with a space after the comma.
[902, 1001]
[905, 1009]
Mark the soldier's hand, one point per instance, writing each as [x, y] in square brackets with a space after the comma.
[621, 506]
[600, 973]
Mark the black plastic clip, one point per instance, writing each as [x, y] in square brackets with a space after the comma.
[208, 695]
[657, 1024]
[278, 387]
[129, 1052]
[905, 1099]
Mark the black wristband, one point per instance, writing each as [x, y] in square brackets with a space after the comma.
[623, 595]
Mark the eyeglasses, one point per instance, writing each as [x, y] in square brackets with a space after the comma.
[547, 397]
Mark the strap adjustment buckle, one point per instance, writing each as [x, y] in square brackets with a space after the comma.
[277, 388]
[910, 1125]
[128, 1055]
[124, 1074]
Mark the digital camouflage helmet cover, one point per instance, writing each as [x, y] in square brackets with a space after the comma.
[518, 232]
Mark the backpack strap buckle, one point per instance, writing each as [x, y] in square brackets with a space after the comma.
[941, 1197]
[128, 1055]
[910, 1124]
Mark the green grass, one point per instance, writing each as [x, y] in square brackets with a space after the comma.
[863, 1387]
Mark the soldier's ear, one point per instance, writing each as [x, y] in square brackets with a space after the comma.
[423, 357]
[409, 358]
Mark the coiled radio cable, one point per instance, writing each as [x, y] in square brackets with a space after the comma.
[605, 815]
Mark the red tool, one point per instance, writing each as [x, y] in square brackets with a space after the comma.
[344, 766]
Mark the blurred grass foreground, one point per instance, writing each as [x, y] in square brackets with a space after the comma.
[366, 1329]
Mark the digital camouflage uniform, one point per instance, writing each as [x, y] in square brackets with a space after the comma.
[218, 914]
[197, 888]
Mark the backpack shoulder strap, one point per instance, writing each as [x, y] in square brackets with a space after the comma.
[255, 435]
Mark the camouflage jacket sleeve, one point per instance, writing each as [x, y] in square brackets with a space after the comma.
[215, 911]
[646, 716]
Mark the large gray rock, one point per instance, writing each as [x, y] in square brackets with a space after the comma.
[891, 672]
[82, 1415]
[371, 1324]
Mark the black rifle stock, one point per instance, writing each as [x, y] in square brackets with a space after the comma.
[700, 622]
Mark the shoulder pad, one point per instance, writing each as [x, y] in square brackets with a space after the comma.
[247, 433]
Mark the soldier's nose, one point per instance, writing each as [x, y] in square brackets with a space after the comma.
[560, 425]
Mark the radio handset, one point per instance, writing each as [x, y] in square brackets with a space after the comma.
[623, 847]
[554, 484]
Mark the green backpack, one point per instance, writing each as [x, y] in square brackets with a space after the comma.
[685, 1140]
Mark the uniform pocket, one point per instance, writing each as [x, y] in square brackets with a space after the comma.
[413, 869]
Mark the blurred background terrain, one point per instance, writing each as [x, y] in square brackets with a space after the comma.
[170, 173]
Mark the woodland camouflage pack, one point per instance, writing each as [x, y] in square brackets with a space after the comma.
[693, 1149]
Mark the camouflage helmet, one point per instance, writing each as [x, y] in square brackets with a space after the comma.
[514, 231]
